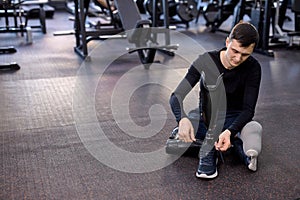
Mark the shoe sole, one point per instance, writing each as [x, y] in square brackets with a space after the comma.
[253, 159]
[207, 176]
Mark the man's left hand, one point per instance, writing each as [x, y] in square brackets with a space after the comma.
[224, 141]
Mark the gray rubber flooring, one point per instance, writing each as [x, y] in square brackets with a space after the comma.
[97, 130]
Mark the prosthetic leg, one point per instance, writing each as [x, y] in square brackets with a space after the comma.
[210, 103]
[213, 107]
[251, 135]
[178, 147]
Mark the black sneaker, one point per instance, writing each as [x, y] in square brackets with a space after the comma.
[208, 165]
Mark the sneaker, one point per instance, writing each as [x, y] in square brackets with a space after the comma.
[208, 166]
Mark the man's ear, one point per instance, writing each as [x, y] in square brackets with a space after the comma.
[227, 41]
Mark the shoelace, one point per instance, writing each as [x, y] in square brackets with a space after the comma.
[208, 159]
[221, 156]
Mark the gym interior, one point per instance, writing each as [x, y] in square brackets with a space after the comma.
[85, 108]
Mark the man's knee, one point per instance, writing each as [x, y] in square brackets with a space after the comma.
[251, 135]
[252, 127]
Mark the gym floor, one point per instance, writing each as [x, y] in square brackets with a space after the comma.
[44, 151]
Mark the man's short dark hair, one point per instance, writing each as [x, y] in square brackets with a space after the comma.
[245, 33]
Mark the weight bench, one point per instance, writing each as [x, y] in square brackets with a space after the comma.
[36, 9]
[142, 32]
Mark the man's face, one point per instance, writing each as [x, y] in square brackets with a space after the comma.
[236, 54]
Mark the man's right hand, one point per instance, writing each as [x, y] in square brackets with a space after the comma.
[186, 130]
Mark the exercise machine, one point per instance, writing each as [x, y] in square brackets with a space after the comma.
[140, 5]
[244, 7]
[128, 17]
[180, 11]
[286, 37]
[278, 11]
[218, 11]
[83, 35]
[107, 11]
[200, 6]
[296, 33]
[143, 32]
[22, 11]
[261, 18]
[37, 9]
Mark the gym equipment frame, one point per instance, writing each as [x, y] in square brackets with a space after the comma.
[84, 35]
[143, 33]
[12, 9]
[184, 10]
[19, 9]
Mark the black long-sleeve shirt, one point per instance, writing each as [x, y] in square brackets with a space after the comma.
[241, 86]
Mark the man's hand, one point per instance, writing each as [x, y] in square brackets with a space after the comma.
[224, 141]
[186, 130]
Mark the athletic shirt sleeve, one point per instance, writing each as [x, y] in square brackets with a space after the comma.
[246, 97]
[191, 78]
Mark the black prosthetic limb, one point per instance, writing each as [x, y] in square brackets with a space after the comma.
[177, 147]
[211, 112]
[213, 109]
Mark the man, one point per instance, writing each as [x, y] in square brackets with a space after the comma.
[241, 78]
